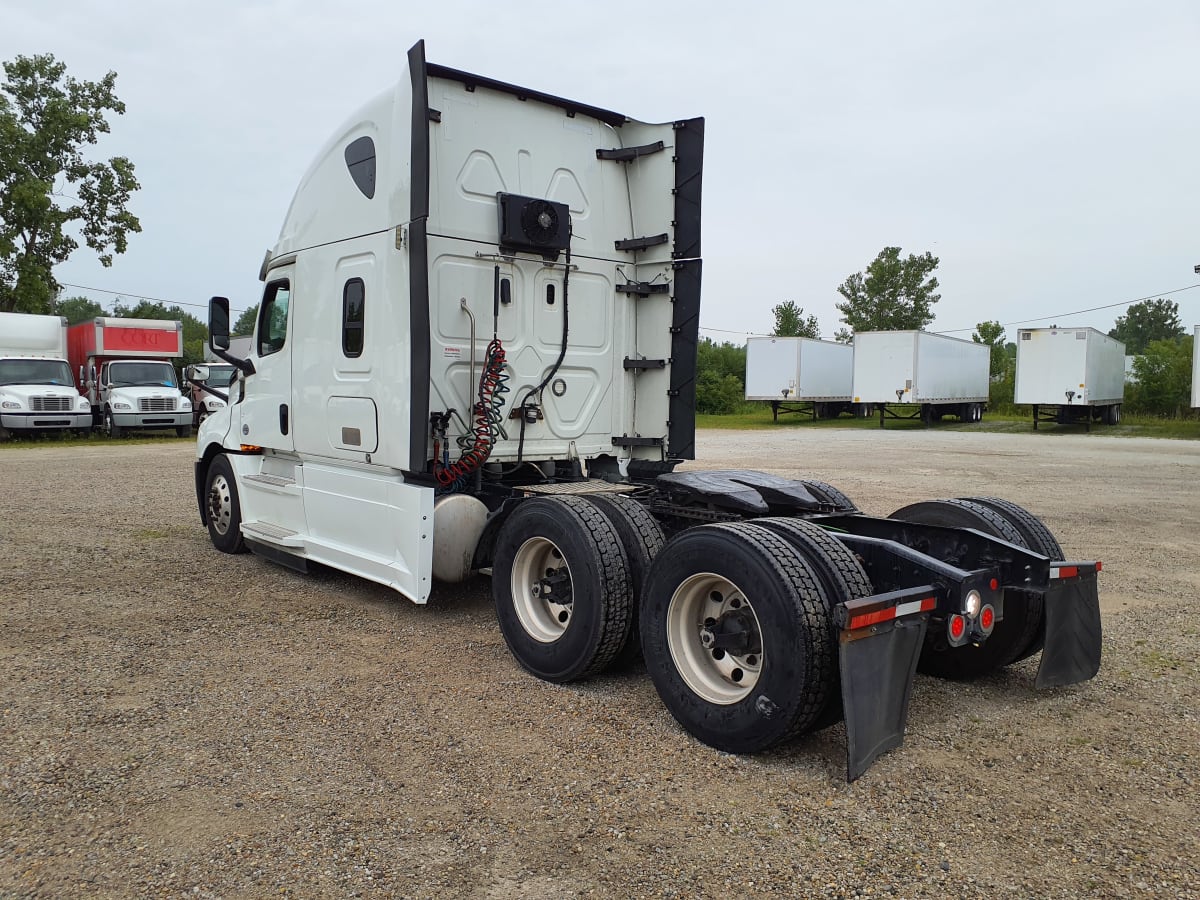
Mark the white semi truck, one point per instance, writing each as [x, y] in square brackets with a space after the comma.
[800, 375]
[1070, 375]
[37, 391]
[475, 352]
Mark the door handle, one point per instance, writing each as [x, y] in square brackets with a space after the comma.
[283, 418]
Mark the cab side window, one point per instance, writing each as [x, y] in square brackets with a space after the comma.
[273, 318]
[353, 297]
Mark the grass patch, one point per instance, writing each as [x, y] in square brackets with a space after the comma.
[92, 439]
[1008, 422]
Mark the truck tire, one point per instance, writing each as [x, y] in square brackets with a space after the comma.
[829, 494]
[842, 575]
[223, 508]
[562, 588]
[1038, 538]
[111, 428]
[777, 681]
[641, 538]
[1112, 414]
[1022, 611]
[183, 431]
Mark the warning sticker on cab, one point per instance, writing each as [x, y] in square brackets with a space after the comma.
[452, 352]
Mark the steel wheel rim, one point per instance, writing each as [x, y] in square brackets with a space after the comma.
[717, 676]
[220, 504]
[543, 619]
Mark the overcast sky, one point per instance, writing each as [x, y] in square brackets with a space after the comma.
[1048, 153]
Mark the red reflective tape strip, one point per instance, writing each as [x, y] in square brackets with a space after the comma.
[863, 620]
[1064, 571]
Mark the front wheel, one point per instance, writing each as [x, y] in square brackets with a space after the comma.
[736, 636]
[183, 431]
[223, 508]
[111, 428]
[564, 596]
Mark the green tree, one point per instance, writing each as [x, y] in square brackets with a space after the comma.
[195, 332]
[790, 321]
[893, 294]
[1164, 378]
[245, 322]
[46, 183]
[720, 377]
[78, 309]
[1145, 322]
[992, 334]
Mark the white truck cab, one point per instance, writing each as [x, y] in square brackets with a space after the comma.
[210, 383]
[141, 393]
[37, 390]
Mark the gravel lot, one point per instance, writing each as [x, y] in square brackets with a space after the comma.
[178, 721]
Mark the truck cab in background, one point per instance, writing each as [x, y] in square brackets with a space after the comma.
[37, 392]
[209, 385]
[125, 368]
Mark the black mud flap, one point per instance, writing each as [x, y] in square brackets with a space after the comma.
[1072, 612]
[877, 666]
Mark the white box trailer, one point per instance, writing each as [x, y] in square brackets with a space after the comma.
[1196, 368]
[1070, 375]
[37, 390]
[797, 374]
[941, 375]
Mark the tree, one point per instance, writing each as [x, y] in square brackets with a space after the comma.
[1145, 322]
[893, 294]
[992, 334]
[46, 118]
[790, 321]
[78, 309]
[720, 377]
[245, 322]
[1164, 377]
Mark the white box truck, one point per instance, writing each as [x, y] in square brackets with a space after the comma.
[449, 377]
[37, 391]
[800, 375]
[1070, 375]
[126, 367]
[938, 374]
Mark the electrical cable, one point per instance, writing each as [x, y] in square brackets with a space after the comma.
[562, 352]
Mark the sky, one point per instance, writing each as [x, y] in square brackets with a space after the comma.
[1047, 153]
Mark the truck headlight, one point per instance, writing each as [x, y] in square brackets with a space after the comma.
[83, 404]
[10, 404]
[120, 405]
[213, 403]
[185, 404]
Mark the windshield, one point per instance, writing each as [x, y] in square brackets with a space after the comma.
[152, 374]
[35, 371]
[220, 376]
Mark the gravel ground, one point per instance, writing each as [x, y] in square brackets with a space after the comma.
[181, 722]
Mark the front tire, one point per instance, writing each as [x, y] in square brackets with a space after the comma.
[183, 431]
[562, 588]
[223, 507]
[111, 428]
[737, 637]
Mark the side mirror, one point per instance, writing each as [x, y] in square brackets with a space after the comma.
[197, 373]
[218, 323]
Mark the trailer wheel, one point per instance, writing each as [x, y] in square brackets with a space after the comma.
[1022, 611]
[736, 635]
[562, 588]
[1038, 538]
[641, 538]
[111, 428]
[1112, 414]
[829, 494]
[223, 508]
[842, 575]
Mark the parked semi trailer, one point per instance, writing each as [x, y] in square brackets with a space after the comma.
[126, 369]
[932, 375]
[475, 352]
[37, 392]
[800, 375]
[1070, 375]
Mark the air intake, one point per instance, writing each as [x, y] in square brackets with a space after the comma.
[534, 225]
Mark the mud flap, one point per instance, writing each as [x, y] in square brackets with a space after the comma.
[877, 675]
[1072, 613]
